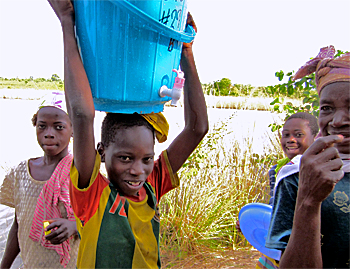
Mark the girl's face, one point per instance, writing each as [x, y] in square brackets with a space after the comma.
[130, 158]
[334, 118]
[296, 137]
[53, 130]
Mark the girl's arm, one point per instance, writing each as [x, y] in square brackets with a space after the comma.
[12, 246]
[78, 95]
[196, 118]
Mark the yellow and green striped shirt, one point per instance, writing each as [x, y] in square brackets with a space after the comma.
[119, 231]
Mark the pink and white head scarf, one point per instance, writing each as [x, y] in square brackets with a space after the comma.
[54, 99]
[327, 68]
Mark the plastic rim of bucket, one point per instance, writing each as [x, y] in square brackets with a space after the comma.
[254, 221]
[156, 26]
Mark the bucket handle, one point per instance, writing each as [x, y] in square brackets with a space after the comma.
[187, 36]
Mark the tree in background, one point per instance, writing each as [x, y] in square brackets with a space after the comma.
[304, 88]
[224, 87]
[55, 77]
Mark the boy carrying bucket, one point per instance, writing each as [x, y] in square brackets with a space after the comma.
[117, 217]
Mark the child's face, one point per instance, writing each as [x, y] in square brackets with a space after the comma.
[296, 137]
[130, 159]
[53, 130]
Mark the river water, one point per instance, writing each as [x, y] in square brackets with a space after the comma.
[18, 139]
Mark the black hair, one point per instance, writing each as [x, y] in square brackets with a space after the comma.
[311, 119]
[116, 121]
[35, 118]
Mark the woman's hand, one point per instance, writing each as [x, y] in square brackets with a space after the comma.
[61, 230]
[320, 169]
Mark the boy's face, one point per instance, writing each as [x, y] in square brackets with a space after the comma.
[53, 130]
[334, 115]
[296, 137]
[130, 159]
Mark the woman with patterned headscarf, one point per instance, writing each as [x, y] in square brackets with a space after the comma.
[311, 215]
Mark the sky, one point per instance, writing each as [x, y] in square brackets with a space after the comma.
[243, 40]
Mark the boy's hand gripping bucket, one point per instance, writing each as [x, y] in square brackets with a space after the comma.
[129, 49]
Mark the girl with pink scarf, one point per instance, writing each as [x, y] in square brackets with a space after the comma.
[38, 189]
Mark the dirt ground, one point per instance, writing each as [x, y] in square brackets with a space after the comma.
[243, 258]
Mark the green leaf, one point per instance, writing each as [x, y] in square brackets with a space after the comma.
[280, 75]
[306, 100]
[286, 107]
[277, 100]
[315, 103]
[290, 90]
[283, 89]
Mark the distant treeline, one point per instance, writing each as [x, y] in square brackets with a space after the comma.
[53, 83]
[223, 87]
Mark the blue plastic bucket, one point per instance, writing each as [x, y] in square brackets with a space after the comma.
[129, 49]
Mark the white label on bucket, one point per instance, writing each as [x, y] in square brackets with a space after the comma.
[171, 13]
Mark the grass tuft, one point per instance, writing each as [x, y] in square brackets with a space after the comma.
[216, 182]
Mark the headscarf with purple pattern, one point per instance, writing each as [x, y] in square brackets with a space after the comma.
[327, 68]
[54, 99]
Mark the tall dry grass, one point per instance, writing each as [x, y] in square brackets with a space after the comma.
[216, 182]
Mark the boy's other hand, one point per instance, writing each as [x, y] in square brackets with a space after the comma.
[61, 230]
[191, 22]
[62, 8]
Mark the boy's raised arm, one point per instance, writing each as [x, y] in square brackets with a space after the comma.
[78, 95]
[196, 118]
